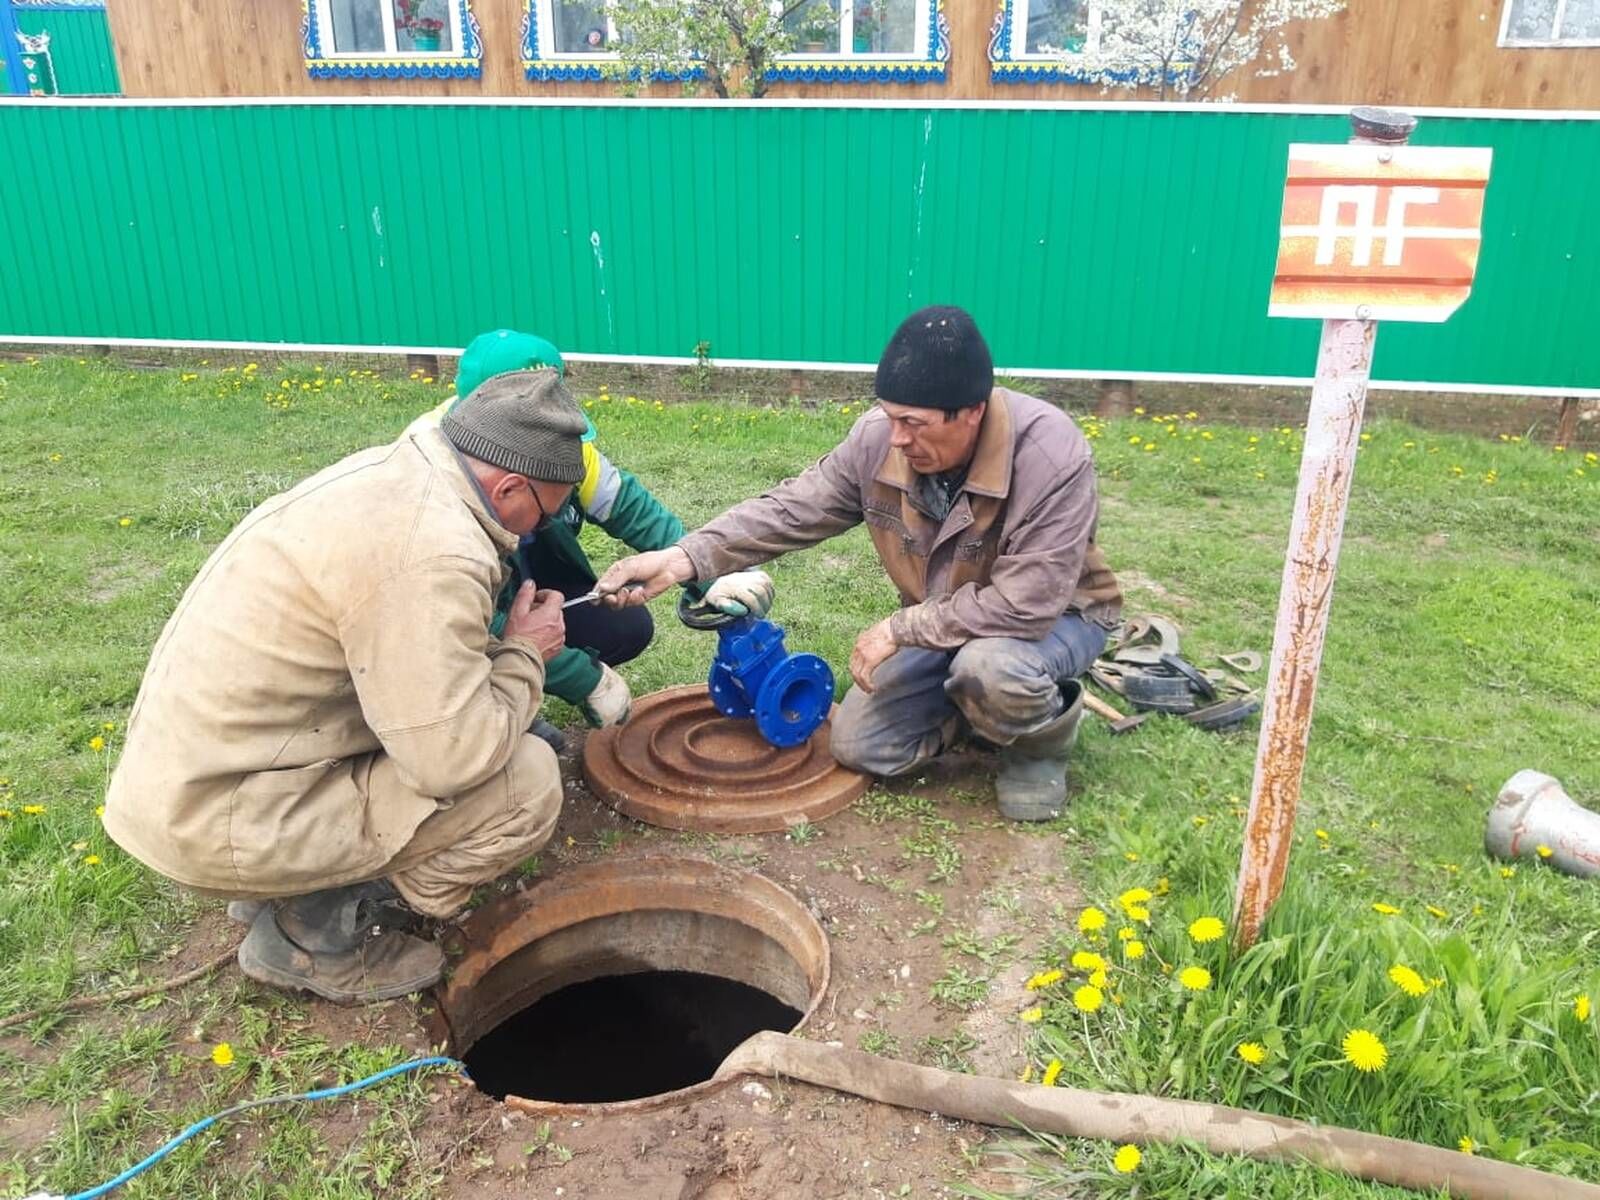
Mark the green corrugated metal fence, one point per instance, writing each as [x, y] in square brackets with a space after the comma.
[1100, 240]
[80, 48]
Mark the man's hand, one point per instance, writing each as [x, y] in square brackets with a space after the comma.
[535, 617]
[610, 701]
[742, 594]
[651, 573]
[874, 645]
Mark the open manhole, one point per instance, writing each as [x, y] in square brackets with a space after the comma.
[679, 763]
[626, 984]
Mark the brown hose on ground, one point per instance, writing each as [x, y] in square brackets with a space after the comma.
[1123, 1117]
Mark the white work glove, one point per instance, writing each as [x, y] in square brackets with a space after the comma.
[742, 594]
[610, 701]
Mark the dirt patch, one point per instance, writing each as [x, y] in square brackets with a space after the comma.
[934, 907]
[108, 582]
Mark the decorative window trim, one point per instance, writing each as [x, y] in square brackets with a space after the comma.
[325, 63]
[1555, 41]
[543, 63]
[1007, 64]
[926, 64]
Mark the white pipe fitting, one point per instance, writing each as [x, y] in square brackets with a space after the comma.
[1533, 811]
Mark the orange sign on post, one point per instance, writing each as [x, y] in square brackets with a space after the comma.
[1379, 232]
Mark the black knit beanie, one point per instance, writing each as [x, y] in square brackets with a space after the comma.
[936, 359]
[524, 422]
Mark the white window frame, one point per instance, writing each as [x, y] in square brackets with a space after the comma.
[322, 14]
[1554, 42]
[544, 12]
[1019, 34]
[847, 35]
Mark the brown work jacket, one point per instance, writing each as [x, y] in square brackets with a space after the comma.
[1016, 550]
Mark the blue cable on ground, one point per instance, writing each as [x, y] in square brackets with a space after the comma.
[320, 1094]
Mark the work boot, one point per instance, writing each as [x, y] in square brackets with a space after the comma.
[1032, 783]
[549, 734]
[339, 919]
[383, 966]
[244, 911]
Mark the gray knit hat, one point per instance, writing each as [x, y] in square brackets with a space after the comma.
[525, 422]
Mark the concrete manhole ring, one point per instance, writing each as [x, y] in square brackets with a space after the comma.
[628, 919]
[681, 764]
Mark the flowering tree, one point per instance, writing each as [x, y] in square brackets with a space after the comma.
[1186, 47]
[731, 43]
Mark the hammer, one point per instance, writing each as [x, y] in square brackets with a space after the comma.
[1119, 723]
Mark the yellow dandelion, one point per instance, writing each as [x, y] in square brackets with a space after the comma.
[109, 726]
[97, 743]
[1322, 835]
[91, 860]
[222, 1054]
[100, 811]
[1196, 979]
[1136, 895]
[1125, 934]
[1091, 920]
[1206, 929]
[1253, 1053]
[1051, 1073]
[1127, 1159]
[125, 522]
[1088, 998]
[1507, 872]
[1134, 949]
[1580, 1007]
[33, 810]
[1466, 1145]
[1139, 913]
[1030, 1015]
[1130, 856]
[1545, 851]
[1199, 821]
[1387, 910]
[6, 814]
[1098, 979]
[1407, 980]
[1088, 960]
[1043, 980]
[1435, 911]
[1365, 1051]
[1162, 886]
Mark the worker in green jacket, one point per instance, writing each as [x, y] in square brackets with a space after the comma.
[598, 638]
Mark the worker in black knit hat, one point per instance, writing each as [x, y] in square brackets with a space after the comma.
[982, 505]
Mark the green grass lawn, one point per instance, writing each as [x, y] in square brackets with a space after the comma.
[1463, 646]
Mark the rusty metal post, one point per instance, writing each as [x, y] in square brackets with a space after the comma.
[1333, 428]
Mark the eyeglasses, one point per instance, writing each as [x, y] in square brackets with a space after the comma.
[545, 516]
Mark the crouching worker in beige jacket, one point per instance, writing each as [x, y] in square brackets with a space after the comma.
[326, 733]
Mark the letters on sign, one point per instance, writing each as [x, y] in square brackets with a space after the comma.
[1379, 232]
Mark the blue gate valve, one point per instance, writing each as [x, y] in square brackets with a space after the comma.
[754, 675]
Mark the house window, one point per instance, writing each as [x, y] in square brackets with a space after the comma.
[392, 38]
[868, 41]
[568, 39]
[1550, 23]
[1035, 39]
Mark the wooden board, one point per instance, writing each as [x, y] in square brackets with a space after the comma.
[1422, 52]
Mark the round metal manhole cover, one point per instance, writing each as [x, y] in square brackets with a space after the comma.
[681, 764]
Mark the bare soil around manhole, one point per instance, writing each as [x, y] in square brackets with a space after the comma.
[935, 909]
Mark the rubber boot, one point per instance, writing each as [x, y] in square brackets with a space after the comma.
[549, 734]
[382, 964]
[1032, 783]
[245, 911]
